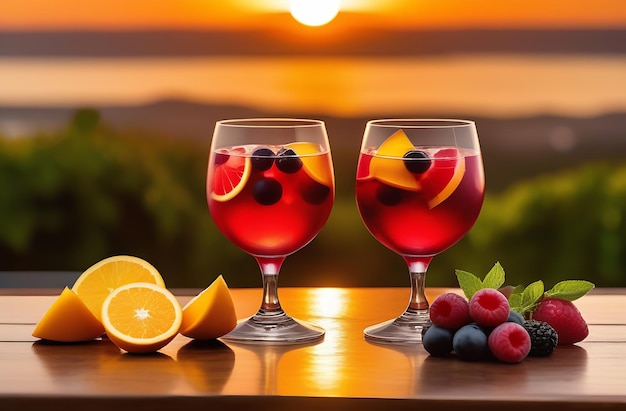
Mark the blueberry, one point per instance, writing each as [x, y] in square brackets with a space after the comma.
[288, 161]
[470, 343]
[516, 317]
[389, 196]
[437, 340]
[221, 158]
[315, 193]
[416, 161]
[267, 191]
[262, 159]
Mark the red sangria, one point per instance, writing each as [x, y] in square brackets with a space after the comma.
[271, 200]
[270, 190]
[419, 188]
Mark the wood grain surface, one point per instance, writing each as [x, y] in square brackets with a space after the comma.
[342, 371]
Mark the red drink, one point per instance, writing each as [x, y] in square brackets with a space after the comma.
[270, 200]
[425, 211]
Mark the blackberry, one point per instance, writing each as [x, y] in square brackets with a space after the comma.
[543, 338]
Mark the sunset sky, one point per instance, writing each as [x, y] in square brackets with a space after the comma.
[234, 14]
[564, 83]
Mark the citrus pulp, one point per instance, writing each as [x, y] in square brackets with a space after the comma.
[231, 175]
[141, 317]
[97, 282]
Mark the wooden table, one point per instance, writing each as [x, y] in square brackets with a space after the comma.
[342, 372]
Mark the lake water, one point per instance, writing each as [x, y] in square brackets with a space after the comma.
[495, 85]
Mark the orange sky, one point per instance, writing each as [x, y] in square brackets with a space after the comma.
[233, 14]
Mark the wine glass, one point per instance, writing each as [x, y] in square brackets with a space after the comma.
[419, 188]
[270, 190]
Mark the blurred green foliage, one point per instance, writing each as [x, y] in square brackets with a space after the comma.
[74, 197]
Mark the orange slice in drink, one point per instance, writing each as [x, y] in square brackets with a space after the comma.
[386, 167]
[231, 172]
[68, 320]
[437, 183]
[316, 166]
[99, 280]
[210, 314]
[443, 176]
[141, 317]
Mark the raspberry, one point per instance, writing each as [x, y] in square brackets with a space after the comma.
[509, 342]
[543, 338]
[564, 317]
[470, 343]
[450, 310]
[437, 340]
[489, 307]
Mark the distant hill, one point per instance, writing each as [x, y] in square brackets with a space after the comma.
[513, 148]
[289, 41]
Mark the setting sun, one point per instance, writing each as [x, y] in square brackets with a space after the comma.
[314, 12]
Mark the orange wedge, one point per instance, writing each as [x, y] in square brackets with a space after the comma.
[230, 174]
[315, 165]
[443, 176]
[210, 314]
[387, 165]
[97, 282]
[141, 317]
[68, 320]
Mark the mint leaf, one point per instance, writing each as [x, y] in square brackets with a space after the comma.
[468, 282]
[570, 290]
[526, 301]
[495, 277]
[533, 293]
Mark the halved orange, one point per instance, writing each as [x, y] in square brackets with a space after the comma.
[316, 166]
[230, 176]
[99, 280]
[443, 176]
[68, 320]
[141, 317]
[386, 167]
[210, 314]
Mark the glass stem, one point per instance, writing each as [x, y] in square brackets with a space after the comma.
[417, 301]
[417, 272]
[270, 267]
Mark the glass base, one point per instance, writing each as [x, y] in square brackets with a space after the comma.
[276, 329]
[403, 330]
